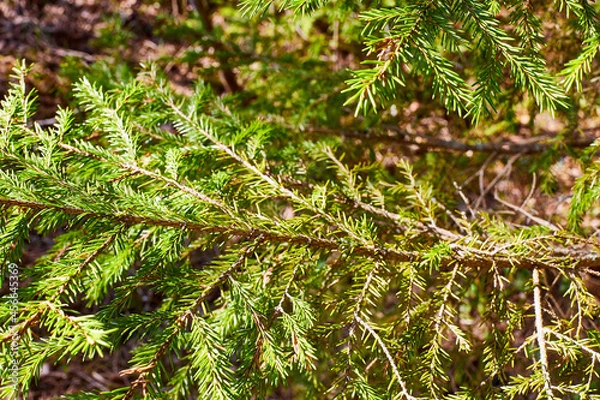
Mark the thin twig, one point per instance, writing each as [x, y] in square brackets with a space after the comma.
[541, 332]
[388, 356]
[432, 142]
[464, 199]
[532, 217]
[531, 191]
[595, 355]
[505, 172]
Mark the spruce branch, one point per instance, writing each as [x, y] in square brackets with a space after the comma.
[409, 41]
[401, 222]
[528, 26]
[49, 304]
[135, 169]
[529, 72]
[579, 343]
[576, 69]
[469, 257]
[265, 177]
[236, 252]
[352, 331]
[181, 321]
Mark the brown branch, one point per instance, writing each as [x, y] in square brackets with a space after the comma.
[396, 135]
[524, 212]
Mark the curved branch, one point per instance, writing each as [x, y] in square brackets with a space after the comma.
[397, 135]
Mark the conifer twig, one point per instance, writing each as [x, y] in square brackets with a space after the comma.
[49, 303]
[267, 178]
[593, 353]
[356, 316]
[541, 332]
[180, 322]
[388, 356]
[142, 171]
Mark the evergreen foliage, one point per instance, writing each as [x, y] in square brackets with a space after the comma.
[279, 249]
